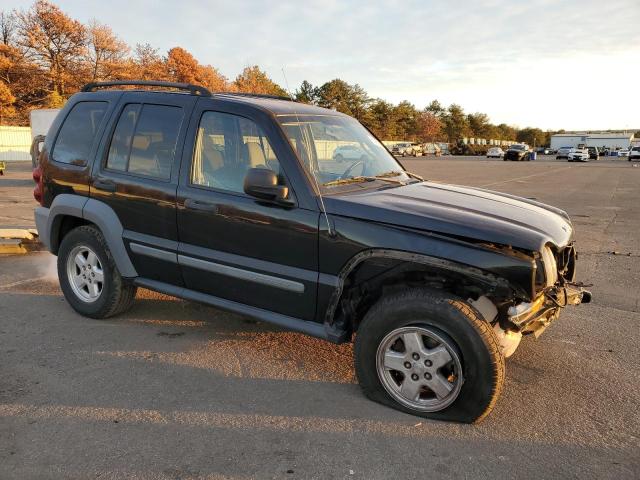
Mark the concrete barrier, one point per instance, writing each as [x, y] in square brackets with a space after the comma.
[17, 240]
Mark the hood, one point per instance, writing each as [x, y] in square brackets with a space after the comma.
[459, 211]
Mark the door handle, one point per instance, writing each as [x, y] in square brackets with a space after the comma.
[192, 204]
[105, 185]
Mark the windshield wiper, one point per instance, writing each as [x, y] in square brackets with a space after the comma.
[361, 178]
[414, 175]
[395, 173]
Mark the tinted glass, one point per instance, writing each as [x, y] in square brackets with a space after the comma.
[144, 141]
[154, 144]
[78, 132]
[121, 140]
[227, 146]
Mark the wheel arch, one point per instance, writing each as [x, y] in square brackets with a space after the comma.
[69, 211]
[375, 272]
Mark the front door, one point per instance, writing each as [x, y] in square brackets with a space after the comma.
[138, 176]
[234, 246]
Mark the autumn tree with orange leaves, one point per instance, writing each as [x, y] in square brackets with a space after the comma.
[46, 56]
[183, 67]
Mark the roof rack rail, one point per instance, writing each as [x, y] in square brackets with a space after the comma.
[256, 95]
[193, 89]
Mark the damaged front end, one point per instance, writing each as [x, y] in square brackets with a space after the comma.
[555, 289]
[535, 316]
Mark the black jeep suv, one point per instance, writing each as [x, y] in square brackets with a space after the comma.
[236, 201]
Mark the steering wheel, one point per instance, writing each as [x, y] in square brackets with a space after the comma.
[350, 168]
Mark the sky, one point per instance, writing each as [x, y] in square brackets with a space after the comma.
[572, 64]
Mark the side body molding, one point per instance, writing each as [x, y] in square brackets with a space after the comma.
[94, 211]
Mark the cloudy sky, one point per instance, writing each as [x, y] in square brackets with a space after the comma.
[553, 64]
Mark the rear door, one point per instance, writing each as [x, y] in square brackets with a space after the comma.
[137, 176]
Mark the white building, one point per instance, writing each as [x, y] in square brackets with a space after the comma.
[608, 140]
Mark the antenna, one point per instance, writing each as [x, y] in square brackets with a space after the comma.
[313, 174]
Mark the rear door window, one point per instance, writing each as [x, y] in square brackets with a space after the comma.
[78, 132]
[145, 139]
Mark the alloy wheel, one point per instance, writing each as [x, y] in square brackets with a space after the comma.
[85, 273]
[419, 368]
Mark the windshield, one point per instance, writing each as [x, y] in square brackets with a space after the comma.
[517, 147]
[320, 141]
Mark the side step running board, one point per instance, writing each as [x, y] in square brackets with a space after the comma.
[310, 328]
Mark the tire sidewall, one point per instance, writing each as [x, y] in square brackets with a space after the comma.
[478, 390]
[89, 237]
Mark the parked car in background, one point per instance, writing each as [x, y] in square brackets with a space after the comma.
[623, 152]
[495, 152]
[431, 149]
[348, 152]
[563, 152]
[634, 154]
[594, 153]
[544, 151]
[399, 148]
[518, 152]
[407, 149]
[579, 155]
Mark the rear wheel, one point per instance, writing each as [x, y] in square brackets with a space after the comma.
[89, 277]
[429, 354]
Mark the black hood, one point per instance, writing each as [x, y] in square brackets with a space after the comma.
[460, 211]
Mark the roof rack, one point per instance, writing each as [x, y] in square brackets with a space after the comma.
[192, 89]
[254, 95]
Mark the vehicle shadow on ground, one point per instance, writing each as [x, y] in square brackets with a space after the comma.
[193, 358]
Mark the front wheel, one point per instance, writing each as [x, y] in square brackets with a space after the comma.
[429, 354]
[89, 277]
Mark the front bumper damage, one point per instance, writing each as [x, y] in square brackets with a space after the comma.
[535, 317]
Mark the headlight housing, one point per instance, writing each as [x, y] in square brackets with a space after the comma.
[550, 266]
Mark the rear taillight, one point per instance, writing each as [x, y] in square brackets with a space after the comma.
[38, 190]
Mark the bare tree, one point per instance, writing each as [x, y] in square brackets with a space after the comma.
[8, 27]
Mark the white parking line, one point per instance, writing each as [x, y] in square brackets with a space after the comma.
[525, 176]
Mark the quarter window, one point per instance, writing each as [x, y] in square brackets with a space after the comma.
[144, 140]
[78, 133]
[227, 146]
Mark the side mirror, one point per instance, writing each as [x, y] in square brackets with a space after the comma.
[263, 183]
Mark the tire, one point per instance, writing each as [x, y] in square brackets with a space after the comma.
[467, 337]
[114, 297]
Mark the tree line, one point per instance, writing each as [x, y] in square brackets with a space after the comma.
[46, 56]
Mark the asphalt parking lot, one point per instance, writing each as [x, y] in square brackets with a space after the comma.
[177, 390]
